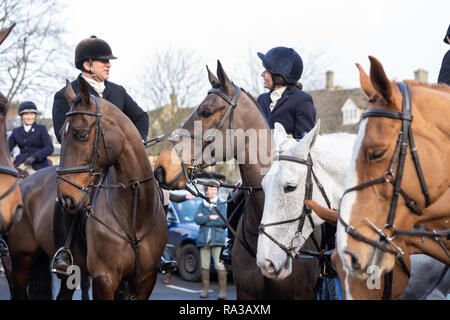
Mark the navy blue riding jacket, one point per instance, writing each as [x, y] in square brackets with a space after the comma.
[34, 143]
[295, 110]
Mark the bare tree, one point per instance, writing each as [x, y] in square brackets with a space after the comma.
[34, 58]
[173, 77]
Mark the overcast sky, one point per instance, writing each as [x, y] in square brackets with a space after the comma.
[403, 35]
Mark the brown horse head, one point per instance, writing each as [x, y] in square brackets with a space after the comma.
[366, 204]
[205, 137]
[5, 32]
[92, 124]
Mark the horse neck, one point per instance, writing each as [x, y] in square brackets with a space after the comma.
[331, 161]
[132, 166]
[4, 150]
[253, 173]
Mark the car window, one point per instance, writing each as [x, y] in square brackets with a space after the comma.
[188, 209]
[171, 216]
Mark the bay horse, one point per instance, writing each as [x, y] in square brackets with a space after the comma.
[396, 198]
[228, 104]
[126, 228]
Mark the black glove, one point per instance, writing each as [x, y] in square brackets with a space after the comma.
[29, 161]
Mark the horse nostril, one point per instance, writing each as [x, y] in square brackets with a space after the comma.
[160, 174]
[67, 202]
[351, 260]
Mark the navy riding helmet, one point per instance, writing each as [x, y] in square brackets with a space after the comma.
[27, 107]
[283, 61]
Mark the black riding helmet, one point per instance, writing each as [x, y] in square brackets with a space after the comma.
[92, 48]
[27, 107]
[283, 61]
[447, 35]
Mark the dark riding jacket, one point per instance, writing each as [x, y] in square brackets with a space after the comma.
[295, 110]
[115, 94]
[34, 143]
[444, 73]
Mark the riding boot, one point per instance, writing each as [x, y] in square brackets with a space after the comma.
[62, 224]
[222, 275]
[167, 264]
[205, 283]
[225, 253]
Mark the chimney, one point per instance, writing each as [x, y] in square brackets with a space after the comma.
[329, 80]
[421, 75]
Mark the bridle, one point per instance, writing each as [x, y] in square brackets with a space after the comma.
[207, 140]
[405, 138]
[10, 172]
[95, 154]
[306, 211]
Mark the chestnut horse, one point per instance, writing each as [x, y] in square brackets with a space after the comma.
[126, 228]
[397, 188]
[10, 197]
[228, 104]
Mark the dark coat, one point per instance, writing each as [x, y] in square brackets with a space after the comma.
[295, 110]
[113, 93]
[444, 74]
[34, 143]
[216, 226]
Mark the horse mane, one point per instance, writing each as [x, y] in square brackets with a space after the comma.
[436, 86]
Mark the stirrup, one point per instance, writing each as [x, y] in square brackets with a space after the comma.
[69, 269]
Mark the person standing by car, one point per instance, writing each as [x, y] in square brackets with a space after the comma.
[32, 139]
[211, 239]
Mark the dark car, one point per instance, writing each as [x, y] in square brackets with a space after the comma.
[182, 237]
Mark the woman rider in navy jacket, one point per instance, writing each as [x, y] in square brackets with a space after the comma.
[32, 139]
[285, 103]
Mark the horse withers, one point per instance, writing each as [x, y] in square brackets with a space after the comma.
[397, 188]
[220, 129]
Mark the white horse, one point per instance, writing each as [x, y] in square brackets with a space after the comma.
[284, 189]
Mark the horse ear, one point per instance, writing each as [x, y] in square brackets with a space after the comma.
[364, 80]
[279, 134]
[215, 83]
[328, 215]
[308, 140]
[69, 93]
[380, 82]
[83, 89]
[5, 32]
[223, 78]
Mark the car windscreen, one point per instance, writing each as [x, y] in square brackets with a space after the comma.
[188, 209]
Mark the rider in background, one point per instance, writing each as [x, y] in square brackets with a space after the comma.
[444, 73]
[32, 139]
[285, 103]
[92, 58]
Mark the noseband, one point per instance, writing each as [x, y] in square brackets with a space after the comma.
[405, 136]
[306, 212]
[95, 154]
[207, 140]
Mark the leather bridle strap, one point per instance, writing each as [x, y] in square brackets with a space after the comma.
[11, 172]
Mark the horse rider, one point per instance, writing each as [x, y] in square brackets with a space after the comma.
[32, 139]
[444, 73]
[285, 103]
[92, 58]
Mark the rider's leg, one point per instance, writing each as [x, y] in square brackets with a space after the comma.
[62, 222]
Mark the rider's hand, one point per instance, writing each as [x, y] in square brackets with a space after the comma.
[28, 162]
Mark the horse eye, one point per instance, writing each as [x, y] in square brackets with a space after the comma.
[288, 188]
[376, 154]
[203, 113]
